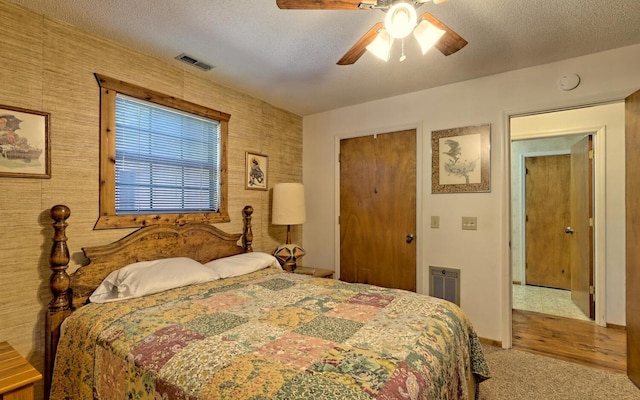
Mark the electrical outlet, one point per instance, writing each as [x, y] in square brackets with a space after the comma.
[469, 223]
[435, 222]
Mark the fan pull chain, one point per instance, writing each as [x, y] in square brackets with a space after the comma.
[403, 57]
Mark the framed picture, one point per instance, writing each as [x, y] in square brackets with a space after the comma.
[461, 160]
[24, 143]
[256, 171]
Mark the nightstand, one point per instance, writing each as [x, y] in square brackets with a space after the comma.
[17, 376]
[317, 272]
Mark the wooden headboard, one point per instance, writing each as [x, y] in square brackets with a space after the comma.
[202, 242]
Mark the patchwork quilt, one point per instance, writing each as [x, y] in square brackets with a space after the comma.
[269, 335]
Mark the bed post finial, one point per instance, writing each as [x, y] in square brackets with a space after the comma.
[59, 259]
[247, 233]
[59, 307]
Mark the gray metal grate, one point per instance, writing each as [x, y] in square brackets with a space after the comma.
[193, 61]
[444, 283]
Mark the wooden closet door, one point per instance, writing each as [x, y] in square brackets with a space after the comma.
[548, 259]
[378, 210]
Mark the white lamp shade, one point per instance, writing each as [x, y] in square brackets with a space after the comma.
[288, 204]
[427, 35]
[381, 45]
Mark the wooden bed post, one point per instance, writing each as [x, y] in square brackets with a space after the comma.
[247, 233]
[59, 307]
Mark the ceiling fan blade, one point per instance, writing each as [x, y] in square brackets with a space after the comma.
[360, 47]
[450, 42]
[319, 4]
[439, 1]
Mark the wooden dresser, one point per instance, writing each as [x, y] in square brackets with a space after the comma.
[17, 376]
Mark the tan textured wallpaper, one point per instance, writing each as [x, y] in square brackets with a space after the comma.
[50, 68]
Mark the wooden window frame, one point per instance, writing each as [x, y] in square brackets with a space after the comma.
[108, 219]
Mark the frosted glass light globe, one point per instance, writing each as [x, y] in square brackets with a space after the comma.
[400, 20]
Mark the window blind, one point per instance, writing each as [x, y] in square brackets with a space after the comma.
[166, 160]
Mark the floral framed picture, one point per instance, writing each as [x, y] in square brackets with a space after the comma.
[256, 171]
[24, 143]
[461, 160]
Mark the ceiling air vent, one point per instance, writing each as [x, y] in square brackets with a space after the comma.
[185, 58]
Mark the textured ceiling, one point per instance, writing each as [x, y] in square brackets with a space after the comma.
[288, 57]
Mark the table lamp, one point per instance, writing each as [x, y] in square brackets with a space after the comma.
[288, 209]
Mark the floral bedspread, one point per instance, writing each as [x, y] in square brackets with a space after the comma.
[269, 335]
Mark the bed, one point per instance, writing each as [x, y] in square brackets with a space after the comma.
[252, 332]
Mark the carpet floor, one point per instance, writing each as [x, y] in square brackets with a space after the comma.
[518, 375]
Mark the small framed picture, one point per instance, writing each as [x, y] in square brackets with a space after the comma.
[461, 160]
[256, 173]
[24, 143]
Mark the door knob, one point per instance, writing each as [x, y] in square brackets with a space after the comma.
[409, 238]
[568, 229]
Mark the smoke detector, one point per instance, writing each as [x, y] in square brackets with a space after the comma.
[569, 82]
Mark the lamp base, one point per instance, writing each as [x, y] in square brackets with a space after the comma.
[288, 255]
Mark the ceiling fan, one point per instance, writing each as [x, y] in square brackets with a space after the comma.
[400, 21]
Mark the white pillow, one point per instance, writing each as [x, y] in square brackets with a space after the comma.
[148, 277]
[241, 264]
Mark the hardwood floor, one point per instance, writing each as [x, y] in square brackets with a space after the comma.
[570, 340]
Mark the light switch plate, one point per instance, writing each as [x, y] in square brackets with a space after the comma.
[469, 223]
[435, 221]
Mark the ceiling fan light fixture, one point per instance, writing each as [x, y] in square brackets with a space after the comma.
[400, 20]
[381, 45]
[427, 35]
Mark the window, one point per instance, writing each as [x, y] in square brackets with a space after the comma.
[166, 160]
[162, 160]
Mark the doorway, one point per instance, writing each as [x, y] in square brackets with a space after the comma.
[605, 121]
[602, 121]
[542, 204]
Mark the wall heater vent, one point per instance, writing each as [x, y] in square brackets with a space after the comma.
[444, 283]
[185, 58]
